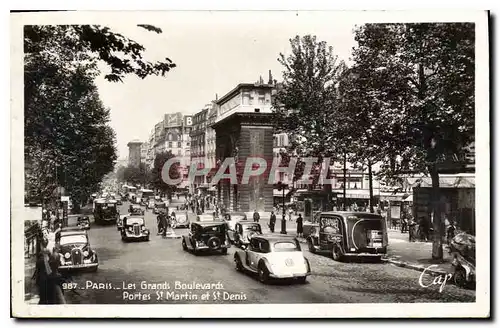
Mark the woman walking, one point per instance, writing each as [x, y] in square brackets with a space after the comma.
[300, 227]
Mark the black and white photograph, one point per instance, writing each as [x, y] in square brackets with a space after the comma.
[250, 164]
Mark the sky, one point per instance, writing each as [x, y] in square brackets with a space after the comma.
[213, 51]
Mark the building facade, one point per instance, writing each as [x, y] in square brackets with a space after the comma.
[198, 139]
[144, 152]
[134, 153]
[244, 129]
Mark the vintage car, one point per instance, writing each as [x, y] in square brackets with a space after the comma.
[150, 204]
[206, 218]
[273, 257]
[243, 232]
[343, 234]
[119, 201]
[158, 205]
[180, 220]
[206, 236]
[105, 211]
[134, 228]
[119, 221]
[311, 227]
[76, 252]
[83, 222]
[135, 209]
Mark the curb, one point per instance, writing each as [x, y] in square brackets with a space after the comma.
[415, 267]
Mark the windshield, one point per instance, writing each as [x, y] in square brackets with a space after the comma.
[213, 229]
[253, 227]
[73, 239]
[131, 221]
[285, 246]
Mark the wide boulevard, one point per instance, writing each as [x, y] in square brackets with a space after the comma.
[126, 268]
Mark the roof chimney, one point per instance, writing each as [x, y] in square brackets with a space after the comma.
[216, 97]
[270, 78]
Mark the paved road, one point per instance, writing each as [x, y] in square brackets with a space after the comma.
[163, 260]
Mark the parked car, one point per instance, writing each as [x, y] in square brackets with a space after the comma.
[205, 218]
[134, 228]
[76, 252]
[311, 227]
[206, 236]
[158, 206]
[135, 209]
[150, 204]
[119, 221]
[180, 220]
[345, 234]
[243, 232]
[273, 257]
[83, 222]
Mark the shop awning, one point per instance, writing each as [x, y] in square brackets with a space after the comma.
[354, 194]
[445, 181]
[279, 193]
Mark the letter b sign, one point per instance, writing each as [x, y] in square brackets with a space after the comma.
[189, 120]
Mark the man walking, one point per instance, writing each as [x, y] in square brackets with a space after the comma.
[272, 221]
[256, 216]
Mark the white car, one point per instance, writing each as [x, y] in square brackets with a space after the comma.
[273, 257]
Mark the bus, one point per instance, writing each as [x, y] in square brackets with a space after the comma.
[144, 195]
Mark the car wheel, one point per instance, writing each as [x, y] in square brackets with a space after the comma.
[302, 280]
[459, 277]
[239, 265]
[311, 246]
[263, 274]
[336, 253]
[184, 245]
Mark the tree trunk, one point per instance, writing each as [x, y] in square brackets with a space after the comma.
[437, 245]
[344, 203]
[370, 185]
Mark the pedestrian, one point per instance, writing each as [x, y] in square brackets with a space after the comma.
[159, 223]
[272, 221]
[290, 213]
[256, 216]
[164, 225]
[411, 230]
[52, 220]
[300, 227]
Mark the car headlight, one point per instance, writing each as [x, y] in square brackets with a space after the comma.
[85, 253]
[67, 255]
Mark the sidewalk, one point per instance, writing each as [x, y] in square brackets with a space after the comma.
[30, 288]
[415, 255]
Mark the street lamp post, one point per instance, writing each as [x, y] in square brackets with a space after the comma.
[282, 186]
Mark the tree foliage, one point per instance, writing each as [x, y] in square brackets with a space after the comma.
[174, 173]
[305, 102]
[68, 141]
[140, 175]
[418, 82]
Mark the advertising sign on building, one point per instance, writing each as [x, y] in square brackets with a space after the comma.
[188, 120]
[173, 120]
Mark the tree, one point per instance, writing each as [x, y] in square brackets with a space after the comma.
[120, 174]
[305, 104]
[137, 175]
[425, 95]
[67, 139]
[173, 172]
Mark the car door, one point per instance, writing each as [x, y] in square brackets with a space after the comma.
[330, 231]
[192, 234]
[253, 254]
[235, 232]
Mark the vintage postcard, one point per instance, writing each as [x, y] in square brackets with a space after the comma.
[288, 164]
